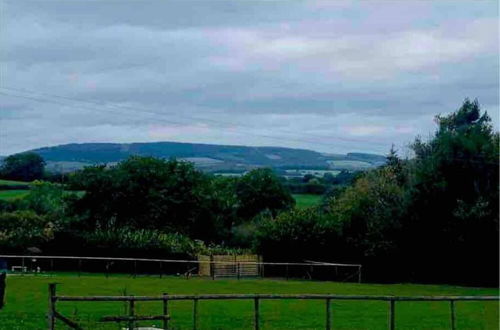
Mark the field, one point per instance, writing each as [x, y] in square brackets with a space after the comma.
[26, 303]
[307, 200]
[12, 183]
[317, 173]
[354, 165]
[12, 194]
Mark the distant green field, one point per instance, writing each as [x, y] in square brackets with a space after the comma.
[12, 194]
[12, 183]
[306, 200]
[26, 304]
[350, 164]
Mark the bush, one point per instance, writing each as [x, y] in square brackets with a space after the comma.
[297, 235]
[22, 229]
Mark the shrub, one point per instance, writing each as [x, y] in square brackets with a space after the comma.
[22, 229]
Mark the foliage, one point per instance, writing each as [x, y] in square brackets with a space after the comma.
[144, 192]
[455, 198]
[26, 166]
[44, 198]
[420, 219]
[22, 229]
[260, 190]
[297, 235]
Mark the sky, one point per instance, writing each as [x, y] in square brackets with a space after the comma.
[331, 76]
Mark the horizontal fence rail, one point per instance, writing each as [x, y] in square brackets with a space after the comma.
[257, 298]
[340, 272]
[182, 261]
[276, 296]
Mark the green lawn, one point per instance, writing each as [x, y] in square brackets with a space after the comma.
[11, 194]
[307, 200]
[26, 304]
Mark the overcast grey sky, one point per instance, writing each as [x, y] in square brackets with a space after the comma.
[331, 76]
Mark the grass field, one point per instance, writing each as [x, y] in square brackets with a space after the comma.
[12, 183]
[307, 200]
[11, 194]
[26, 304]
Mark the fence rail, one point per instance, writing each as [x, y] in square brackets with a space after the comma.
[135, 266]
[257, 298]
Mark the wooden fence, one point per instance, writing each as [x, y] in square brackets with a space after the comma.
[165, 298]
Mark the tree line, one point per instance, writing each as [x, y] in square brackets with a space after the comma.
[430, 218]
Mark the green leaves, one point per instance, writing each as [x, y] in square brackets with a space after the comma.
[27, 166]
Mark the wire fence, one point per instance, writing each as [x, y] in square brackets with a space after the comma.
[314, 270]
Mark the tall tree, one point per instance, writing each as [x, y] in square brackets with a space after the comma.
[26, 166]
[455, 199]
[260, 190]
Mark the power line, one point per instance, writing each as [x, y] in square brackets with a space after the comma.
[218, 122]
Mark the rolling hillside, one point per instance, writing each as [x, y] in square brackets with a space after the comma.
[210, 157]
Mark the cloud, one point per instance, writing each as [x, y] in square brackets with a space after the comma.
[334, 76]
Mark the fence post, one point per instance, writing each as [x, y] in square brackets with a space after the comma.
[256, 313]
[165, 310]
[51, 318]
[328, 314]
[392, 316]
[261, 260]
[359, 274]
[452, 310]
[195, 314]
[131, 312]
[107, 269]
[3, 281]
[238, 270]
[212, 267]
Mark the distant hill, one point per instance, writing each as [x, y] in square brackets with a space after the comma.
[210, 157]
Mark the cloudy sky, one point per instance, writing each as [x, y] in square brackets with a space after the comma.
[331, 76]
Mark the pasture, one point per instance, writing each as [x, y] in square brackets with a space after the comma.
[306, 200]
[12, 194]
[13, 183]
[26, 303]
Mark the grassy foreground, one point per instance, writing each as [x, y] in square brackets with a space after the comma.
[26, 304]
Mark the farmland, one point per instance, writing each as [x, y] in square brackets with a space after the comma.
[12, 194]
[16, 189]
[12, 183]
[306, 200]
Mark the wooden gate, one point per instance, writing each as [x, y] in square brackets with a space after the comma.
[246, 265]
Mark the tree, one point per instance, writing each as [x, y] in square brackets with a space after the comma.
[260, 190]
[298, 235]
[455, 199]
[146, 193]
[27, 166]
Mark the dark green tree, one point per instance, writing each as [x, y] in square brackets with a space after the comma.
[260, 190]
[146, 193]
[27, 166]
[453, 218]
